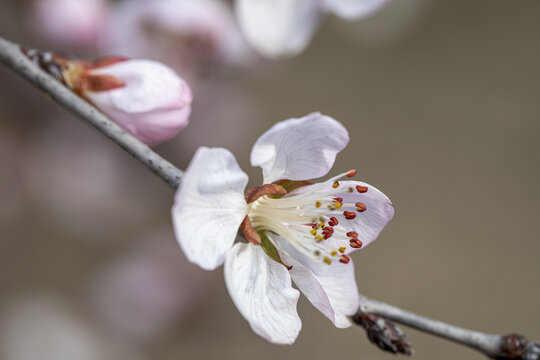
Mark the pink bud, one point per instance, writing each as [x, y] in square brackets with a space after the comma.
[146, 98]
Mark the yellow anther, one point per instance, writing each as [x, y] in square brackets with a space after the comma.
[333, 253]
[318, 204]
[319, 237]
[317, 252]
[321, 224]
[337, 205]
[342, 249]
[331, 207]
[327, 260]
[335, 184]
[313, 232]
[350, 189]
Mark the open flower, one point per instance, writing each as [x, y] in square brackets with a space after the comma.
[295, 229]
[281, 28]
[145, 97]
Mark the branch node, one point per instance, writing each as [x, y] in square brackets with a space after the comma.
[384, 334]
[518, 347]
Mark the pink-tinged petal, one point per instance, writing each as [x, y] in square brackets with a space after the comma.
[367, 224]
[261, 290]
[353, 9]
[330, 288]
[153, 105]
[209, 206]
[278, 28]
[299, 149]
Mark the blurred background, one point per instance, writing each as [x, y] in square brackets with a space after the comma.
[441, 101]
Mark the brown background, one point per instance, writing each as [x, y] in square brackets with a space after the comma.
[443, 109]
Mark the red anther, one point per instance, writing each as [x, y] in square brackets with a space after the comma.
[327, 231]
[344, 259]
[339, 200]
[351, 173]
[360, 207]
[355, 243]
[349, 215]
[352, 234]
[328, 228]
[361, 189]
[333, 221]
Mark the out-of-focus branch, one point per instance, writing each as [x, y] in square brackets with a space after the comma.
[384, 334]
[373, 315]
[12, 56]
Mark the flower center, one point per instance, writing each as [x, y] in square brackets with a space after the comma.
[314, 219]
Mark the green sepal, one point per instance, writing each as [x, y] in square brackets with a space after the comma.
[289, 185]
[271, 250]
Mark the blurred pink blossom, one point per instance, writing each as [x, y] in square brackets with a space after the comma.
[145, 97]
[149, 290]
[284, 28]
[188, 35]
[71, 23]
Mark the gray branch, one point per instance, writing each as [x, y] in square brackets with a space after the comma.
[384, 333]
[12, 57]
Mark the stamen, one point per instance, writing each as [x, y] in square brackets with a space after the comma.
[333, 221]
[318, 204]
[355, 243]
[342, 249]
[327, 260]
[360, 207]
[351, 173]
[333, 253]
[335, 184]
[313, 232]
[344, 259]
[350, 189]
[352, 234]
[349, 215]
[361, 189]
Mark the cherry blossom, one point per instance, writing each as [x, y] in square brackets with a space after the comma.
[283, 28]
[145, 97]
[296, 230]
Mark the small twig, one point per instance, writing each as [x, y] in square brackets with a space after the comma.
[511, 346]
[384, 333]
[12, 56]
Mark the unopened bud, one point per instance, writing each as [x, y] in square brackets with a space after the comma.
[146, 98]
[383, 333]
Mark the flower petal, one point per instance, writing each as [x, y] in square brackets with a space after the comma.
[209, 206]
[299, 149]
[154, 105]
[353, 9]
[369, 223]
[330, 288]
[278, 28]
[261, 290]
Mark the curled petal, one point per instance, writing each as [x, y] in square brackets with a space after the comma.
[353, 9]
[330, 288]
[278, 28]
[299, 149]
[209, 206]
[153, 105]
[261, 290]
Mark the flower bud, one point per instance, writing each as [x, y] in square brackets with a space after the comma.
[146, 98]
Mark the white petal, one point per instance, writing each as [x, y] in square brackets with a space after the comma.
[330, 288]
[154, 104]
[209, 206]
[278, 28]
[353, 9]
[261, 290]
[299, 149]
[367, 224]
